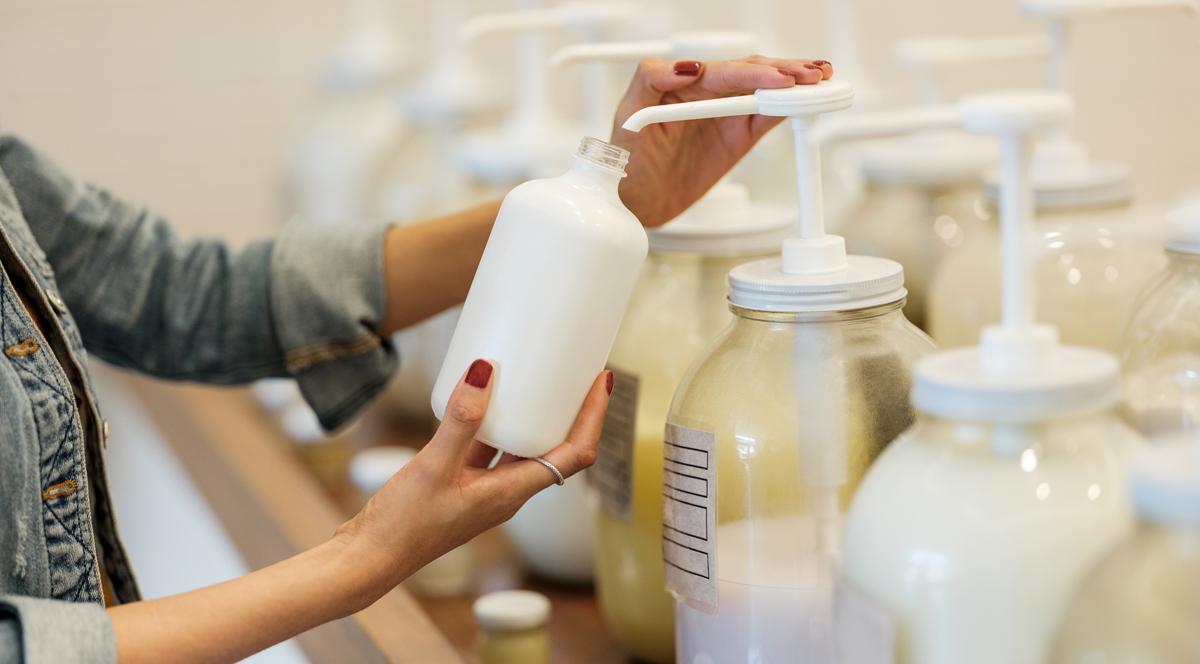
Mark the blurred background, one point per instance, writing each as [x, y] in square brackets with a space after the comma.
[194, 108]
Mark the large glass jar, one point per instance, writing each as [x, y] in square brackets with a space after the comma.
[678, 308]
[916, 226]
[1160, 352]
[800, 404]
[974, 534]
[1090, 266]
[1141, 605]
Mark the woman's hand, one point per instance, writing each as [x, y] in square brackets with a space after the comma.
[673, 164]
[439, 500]
[448, 495]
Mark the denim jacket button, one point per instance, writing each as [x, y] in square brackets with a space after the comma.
[57, 302]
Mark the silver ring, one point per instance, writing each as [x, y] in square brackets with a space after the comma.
[549, 465]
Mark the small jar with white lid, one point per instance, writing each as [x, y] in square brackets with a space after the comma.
[453, 574]
[514, 627]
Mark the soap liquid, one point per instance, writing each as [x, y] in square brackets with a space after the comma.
[775, 595]
[525, 646]
[1140, 606]
[1090, 268]
[976, 555]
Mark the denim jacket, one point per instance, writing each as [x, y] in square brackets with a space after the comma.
[109, 278]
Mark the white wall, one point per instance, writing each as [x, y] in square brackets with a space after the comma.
[185, 104]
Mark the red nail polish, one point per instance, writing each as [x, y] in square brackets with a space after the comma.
[820, 63]
[812, 67]
[479, 374]
[787, 73]
[687, 68]
[608, 382]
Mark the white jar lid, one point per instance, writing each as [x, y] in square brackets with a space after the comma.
[929, 159]
[512, 610]
[371, 468]
[1066, 380]
[1063, 177]
[749, 228]
[1183, 229]
[866, 282]
[1166, 482]
[302, 425]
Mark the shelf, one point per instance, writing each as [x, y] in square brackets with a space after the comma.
[274, 508]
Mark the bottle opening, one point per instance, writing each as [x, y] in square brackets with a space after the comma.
[603, 154]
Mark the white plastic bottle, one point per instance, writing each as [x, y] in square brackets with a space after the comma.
[974, 528]
[774, 423]
[547, 300]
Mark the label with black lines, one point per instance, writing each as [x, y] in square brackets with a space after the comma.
[612, 474]
[690, 514]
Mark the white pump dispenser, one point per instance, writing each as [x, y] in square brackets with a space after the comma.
[782, 398]
[1063, 173]
[975, 526]
[340, 147]
[725, 220]
[534, 139]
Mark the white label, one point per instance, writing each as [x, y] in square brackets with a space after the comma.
[865, 633]
[612, 474]
[690, 513]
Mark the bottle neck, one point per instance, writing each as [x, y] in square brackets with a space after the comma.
[600, 175]
[1027, 442]
[1184, 260]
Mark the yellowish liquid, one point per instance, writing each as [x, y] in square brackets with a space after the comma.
[629, 568]
[527, 646]
[677, 308]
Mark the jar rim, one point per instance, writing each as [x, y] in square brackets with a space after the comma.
[873, 311]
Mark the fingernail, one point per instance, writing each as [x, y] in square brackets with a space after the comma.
[608, 382]
[479, 374]
[812, 67]
[821, 63]
[687, 68]
[787, 73]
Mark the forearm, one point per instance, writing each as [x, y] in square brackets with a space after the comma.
[232, 620]
[428, 267]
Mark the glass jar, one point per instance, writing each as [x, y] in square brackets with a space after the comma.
[974, 534]
[800, 405]
[1140, 606]
[514, 627]
[1090, 266]
[1160, 352]
[678, 308]
[916, 226]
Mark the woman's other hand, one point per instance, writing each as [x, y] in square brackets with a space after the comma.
[673, 164]
[448, 495]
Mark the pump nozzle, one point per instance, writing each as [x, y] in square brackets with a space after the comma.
[813, 252]
[928, 56]
[700, 45]
[1019, 343]
[579, 16]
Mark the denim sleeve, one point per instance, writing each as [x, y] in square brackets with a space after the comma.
[306, 305]
[46, 631]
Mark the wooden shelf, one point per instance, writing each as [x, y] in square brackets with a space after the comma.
[273, 507]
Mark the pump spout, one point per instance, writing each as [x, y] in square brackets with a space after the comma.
[580, 16]
[611, 52]
[692, 110]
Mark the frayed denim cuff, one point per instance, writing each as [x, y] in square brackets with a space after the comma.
[327, 301]
[46, 631]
